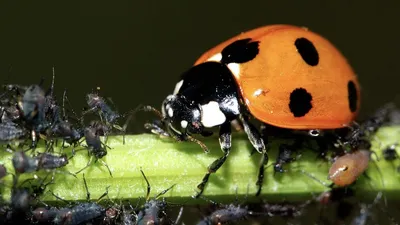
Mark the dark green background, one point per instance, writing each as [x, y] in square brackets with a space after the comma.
[135, 50]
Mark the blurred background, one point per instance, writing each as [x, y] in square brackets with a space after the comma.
[136, 50]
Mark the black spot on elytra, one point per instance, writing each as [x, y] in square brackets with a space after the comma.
[307, 51]
[353, 97]
[240, 51]
[300, 102]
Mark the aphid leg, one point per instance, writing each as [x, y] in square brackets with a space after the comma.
[316, 179]
[87, 165]
[128, 120]
[148, 185]
[86, 187]
[178, 218]
[91, 110]
[88, 193]
[105, 164]
[104, 194]
[59, 198]
[380, 173]
[258, 143]
[323, 146]
[225, 140]
[131, 114]
[65, 99]
[34, 136]
[165, 191]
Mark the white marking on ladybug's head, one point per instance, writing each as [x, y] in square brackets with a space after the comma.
[178, 87]
[184, 124]
[212, 115]
[217, 57]
[235, 69]
[170, 112]
[166, 105]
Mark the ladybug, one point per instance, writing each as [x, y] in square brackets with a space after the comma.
[282, 75]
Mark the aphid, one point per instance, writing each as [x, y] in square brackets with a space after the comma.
[227, 214]
[9, 114]
[285, 156]
[112, 214]
[358, 137]
[51, 108]
[22, 197]
[11, 131]
[390, 153]
[44, 215]
[43, 161]
[96, 148]
[283, 210]
[33, 103]
[335, 194]
[347, 168]
[365, 211]
[97, 103]
[107, 115]
[231, 213]
[63, 128]
[82, 213]
[66, 131]
[150, 214]
[92, 137]
[32, 109]
[127, 217]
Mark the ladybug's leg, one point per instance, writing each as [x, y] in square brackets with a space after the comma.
[155, 128]
[258, 143]
[225, 140]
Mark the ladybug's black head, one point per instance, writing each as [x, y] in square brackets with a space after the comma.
[181, 116]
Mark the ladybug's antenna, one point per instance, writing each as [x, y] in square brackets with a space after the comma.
[202, 145]
[148, 108]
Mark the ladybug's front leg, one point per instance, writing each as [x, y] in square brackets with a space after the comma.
[225, 141]
[258, 143]
[155, 128]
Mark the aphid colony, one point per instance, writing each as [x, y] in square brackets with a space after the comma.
[55, 125]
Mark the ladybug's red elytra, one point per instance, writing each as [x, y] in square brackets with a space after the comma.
[282, 75]
[297, 80]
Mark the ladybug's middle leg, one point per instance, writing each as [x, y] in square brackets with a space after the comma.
[225, 140]
[258, 143]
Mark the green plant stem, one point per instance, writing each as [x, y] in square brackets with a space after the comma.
[166, 162]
